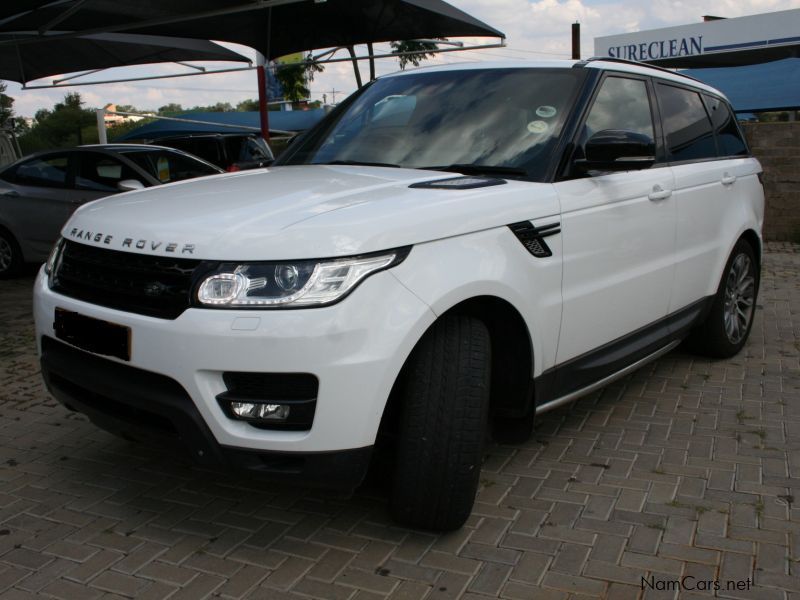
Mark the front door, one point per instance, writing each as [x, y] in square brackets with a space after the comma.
[618, 232]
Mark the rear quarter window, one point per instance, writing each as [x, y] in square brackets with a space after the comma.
[730, 140]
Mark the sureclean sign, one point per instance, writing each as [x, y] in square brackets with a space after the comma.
[754, 32]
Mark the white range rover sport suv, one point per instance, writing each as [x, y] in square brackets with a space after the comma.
[451, 251]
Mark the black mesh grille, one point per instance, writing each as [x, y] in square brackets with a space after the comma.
[157, 286]
[272, 386]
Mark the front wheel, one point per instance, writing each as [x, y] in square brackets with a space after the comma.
[728, 324]
[445, 405]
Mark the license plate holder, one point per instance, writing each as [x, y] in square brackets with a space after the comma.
[93, 335]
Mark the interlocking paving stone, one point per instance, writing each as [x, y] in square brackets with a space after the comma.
[688, 467]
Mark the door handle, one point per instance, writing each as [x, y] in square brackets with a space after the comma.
[11, 194]
[728, 179]
[659, 193]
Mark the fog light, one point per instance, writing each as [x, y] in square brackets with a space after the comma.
[261, 411]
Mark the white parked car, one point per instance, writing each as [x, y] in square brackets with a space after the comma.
[451, 250]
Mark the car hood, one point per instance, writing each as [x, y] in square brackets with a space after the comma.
[309, 211]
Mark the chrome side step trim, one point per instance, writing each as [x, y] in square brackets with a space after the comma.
[558, 402]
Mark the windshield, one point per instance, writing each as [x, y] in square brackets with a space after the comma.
[504, 120]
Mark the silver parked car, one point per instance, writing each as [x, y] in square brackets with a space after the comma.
[40, 192]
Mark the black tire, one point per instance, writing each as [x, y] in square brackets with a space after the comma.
[717, 337]
[445, 405]
[10, 255]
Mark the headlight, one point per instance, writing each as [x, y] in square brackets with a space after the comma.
[53, 259]
[301, 283]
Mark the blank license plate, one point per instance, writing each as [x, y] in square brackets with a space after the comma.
[93, 335]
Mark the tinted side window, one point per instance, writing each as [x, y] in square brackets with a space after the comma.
[206, 148]
[621, 103]
[47, 171]
[686, 124]
[170, 166]
[247, 148]
[729, 138]
[101, 173]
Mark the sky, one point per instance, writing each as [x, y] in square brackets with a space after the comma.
[534, 30]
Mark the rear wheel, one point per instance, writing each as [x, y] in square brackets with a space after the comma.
[10, 255]
[445, 402]
[727, 327]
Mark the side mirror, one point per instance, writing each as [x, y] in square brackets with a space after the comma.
[618, 150]
[128, 185]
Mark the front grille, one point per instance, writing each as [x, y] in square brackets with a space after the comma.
[156, 286]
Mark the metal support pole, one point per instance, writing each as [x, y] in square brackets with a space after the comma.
[576, 41]
[102, 136]
[263, 113]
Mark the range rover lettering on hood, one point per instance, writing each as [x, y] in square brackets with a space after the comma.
[106, 239]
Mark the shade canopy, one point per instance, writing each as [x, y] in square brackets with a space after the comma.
[225, 122]
[756, 88]
[273, 27]
[55, 55]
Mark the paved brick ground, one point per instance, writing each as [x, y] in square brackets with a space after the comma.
[687, 468]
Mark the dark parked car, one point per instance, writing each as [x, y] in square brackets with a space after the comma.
[39, 193]
[231, 151]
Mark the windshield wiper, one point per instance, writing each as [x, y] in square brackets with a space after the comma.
[472, 169]
[357, 163]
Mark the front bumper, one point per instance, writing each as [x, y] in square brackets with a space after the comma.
[355, 348]
[147, 407]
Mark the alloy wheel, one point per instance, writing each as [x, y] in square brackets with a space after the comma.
[739, 298]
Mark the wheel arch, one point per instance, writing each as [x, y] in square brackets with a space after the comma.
[751, 237]
[512, 359]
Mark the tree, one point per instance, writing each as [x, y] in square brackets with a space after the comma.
[67, 124]
[247, 105]
[218, 107]
[295, 77]
[425, 50]
[170, 109]
[127, 108]
[6, 105]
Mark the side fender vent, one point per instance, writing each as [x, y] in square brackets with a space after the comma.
[532, 237]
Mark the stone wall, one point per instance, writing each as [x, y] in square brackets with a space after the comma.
[777, 146]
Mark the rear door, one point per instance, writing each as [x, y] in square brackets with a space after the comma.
[618, 234]
[33, 202]
[708, 169]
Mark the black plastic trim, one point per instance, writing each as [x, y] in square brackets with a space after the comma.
[532, 237]
[593, 366]
[149, 407]
[439, 184]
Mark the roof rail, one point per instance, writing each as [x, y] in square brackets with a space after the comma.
[624, 61]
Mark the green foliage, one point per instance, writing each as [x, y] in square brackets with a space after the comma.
[294, 78]
[171, 109]
[247, 105]
[6, 105]
[424, 48]
[218, 107]
[67, 124]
